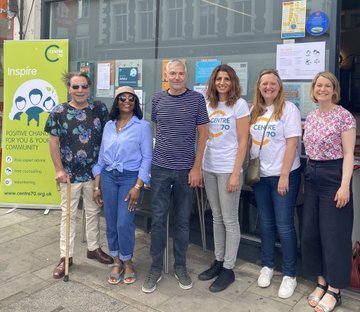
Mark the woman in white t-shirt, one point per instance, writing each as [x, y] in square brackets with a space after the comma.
[277, 190]
[223, 159]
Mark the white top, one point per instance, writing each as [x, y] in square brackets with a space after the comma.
[273, 149]
[221, 146]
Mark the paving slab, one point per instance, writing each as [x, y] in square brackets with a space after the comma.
[70, 297]
[29, 241]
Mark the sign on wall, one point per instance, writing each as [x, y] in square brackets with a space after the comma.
[32, 87]
[295, 61]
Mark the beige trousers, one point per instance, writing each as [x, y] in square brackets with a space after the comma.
[92, 211]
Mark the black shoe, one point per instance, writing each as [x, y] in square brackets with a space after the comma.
[212, 272]
[225, 278]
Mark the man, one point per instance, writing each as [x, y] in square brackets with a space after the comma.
[75, 131]
[177, 113]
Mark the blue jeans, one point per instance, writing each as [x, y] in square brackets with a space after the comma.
[120, 222]
[278, 212]
[166, 183]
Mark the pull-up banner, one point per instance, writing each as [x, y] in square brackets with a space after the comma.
[32, 87]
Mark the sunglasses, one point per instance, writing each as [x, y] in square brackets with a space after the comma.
[76, 87]
[123, 98]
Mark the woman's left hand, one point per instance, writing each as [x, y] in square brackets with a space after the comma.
[234, 183]
[132, 198]
[342, 196]
[283, 185]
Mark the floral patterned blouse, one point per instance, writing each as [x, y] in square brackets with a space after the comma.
[79, 132]
[322, 136]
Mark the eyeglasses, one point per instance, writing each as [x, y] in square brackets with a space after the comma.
[123, 98]
[76, 87]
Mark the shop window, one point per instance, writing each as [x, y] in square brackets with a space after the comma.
[242, 16]
[82, 48]
[355, 20]
[146, 19]
[120, 22]
[276, 15]
[83, 8]
[207, 20]
[176, 16]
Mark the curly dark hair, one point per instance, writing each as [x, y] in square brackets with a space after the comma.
[115, 112]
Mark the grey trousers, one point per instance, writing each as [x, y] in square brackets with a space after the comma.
[225, 211]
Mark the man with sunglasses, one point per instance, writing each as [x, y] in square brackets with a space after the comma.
[178, 113]
[75, 130]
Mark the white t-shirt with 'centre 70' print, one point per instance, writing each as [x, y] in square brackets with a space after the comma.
[274, 145]
[222, 144]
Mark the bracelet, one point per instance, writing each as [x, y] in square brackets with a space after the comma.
[96, 188]
[137, 186]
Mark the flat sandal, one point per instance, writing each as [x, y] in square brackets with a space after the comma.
[129, 277]
[324, 307]
[317, 299]
[115, 278]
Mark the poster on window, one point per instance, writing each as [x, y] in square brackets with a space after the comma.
[298, 93]
[296, 61]
[293, 19]
[128, 73]
[241, 69]
[204, 68]
[105, 79]
[32, 87]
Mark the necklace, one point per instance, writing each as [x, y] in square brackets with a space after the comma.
[121, 125]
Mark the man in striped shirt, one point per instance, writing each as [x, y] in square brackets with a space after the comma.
[178, 114]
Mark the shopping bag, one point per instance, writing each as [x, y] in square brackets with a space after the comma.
[355, 270]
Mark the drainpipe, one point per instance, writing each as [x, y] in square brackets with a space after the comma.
[21, 20]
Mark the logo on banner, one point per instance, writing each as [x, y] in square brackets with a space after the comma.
[31, 99]
[53, 53]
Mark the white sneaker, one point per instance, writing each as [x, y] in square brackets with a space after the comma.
[287, 287]
[265, 277]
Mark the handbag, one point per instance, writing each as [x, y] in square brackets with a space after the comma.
[355, 269]
[253, 169]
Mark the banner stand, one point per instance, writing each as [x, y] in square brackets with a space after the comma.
[33, 86]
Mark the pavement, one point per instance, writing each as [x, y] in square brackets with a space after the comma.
[29, 244]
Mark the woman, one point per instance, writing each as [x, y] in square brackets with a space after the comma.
[329, 139]
[277, 190]
[223, 159]
[122, 169]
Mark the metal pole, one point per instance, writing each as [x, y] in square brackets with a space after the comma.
[166, 251]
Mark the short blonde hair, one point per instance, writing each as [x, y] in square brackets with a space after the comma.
[330, 76]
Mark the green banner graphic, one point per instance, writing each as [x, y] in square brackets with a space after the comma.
[32, 87]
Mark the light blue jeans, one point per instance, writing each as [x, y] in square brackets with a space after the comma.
[225, 210]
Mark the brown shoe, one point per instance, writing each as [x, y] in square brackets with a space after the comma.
[59, 271]
[100, 256]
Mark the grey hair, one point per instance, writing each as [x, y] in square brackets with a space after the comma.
[176, 62]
